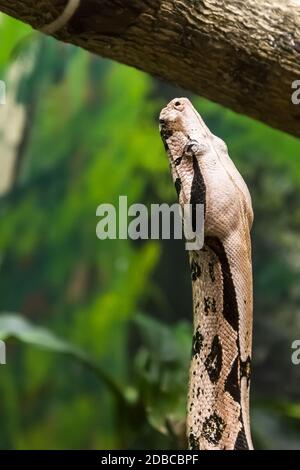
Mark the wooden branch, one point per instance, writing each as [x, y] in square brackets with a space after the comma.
[242, 54]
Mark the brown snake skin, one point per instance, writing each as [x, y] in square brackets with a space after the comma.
[203, 173]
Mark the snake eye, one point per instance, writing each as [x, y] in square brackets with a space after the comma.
[177, 103]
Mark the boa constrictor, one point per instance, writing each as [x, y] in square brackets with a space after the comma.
[221, 272]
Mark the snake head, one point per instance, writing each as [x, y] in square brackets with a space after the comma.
[185, 137]
[182, 129]
[175, 117]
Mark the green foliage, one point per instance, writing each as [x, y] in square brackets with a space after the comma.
[12, 32]
[15, 326]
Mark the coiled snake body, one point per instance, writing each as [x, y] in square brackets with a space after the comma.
[203, 173]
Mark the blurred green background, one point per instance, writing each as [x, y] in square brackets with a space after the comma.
[99, 332]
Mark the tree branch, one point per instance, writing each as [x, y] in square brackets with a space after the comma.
[242, 54]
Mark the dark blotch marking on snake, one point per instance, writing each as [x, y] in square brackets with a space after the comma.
[241, 441]
[213, 362]
[230, 307]
[213, 428]
[165, 133]
[195, 270]
[178, 185]
[232, 383]
[209, 305]
[193, 442]
[198, 189]
[211, 272]
[246, 369]
[230, 313]
[197, 342]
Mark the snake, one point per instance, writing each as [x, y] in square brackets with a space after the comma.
[221, 274]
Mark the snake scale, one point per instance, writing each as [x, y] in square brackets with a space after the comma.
[221, 273]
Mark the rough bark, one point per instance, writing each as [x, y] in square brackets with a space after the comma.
[242, 54]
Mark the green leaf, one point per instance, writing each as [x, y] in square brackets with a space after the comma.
[14, 325]
[170, 345]
[162, 371]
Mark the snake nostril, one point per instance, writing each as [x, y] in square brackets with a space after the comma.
[162, 121]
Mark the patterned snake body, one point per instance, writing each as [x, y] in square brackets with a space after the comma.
[203, 173]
